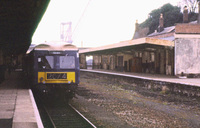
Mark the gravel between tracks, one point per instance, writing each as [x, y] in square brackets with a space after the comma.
[119, 104]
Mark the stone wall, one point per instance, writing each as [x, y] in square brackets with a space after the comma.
[162, 87]
[187, 56]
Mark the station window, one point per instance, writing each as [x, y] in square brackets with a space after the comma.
[136, 54]
[140, 54]
[152, 57]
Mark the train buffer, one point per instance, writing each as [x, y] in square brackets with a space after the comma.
[17, 105]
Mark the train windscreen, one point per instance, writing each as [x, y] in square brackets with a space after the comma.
[58, 62]
[67, 62]
[46, 62]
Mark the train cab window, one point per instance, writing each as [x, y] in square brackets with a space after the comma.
[45, 62]
[67, 62]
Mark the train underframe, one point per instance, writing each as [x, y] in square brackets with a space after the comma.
[63, 91]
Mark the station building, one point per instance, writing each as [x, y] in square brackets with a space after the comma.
[147, 55]
[170, 50]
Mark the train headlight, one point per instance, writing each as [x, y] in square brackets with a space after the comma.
[69, 82]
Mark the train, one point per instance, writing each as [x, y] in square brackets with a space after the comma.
[53, 67]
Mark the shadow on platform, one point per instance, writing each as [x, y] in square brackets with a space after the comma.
[14, 80]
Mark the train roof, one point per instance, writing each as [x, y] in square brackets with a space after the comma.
[56, 46]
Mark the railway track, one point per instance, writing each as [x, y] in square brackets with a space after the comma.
[58, 114]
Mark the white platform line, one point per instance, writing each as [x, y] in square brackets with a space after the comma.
[145, 78]
[36, 112]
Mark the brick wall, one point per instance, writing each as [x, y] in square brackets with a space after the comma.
[187, 29]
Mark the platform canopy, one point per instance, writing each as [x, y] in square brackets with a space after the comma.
[136, 44]
[18, 22]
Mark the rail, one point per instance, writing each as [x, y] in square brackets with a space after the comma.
[59, 114]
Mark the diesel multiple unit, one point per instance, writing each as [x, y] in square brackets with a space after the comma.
[54, 66]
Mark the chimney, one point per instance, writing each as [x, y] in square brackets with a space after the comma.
[136, 25]
[185, 15]
[136, 34]
[161, 23]
[198, 19]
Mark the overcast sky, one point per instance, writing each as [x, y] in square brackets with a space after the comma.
[103, 21]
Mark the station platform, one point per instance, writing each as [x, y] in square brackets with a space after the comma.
[17, 105]
[147, 76]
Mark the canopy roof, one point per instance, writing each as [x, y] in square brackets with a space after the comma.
[131, 44]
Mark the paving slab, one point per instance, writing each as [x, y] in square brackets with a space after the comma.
[17, 105]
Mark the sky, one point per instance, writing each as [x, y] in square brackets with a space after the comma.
[95, 22]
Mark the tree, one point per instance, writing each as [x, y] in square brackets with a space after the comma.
[171, 14]
[191, 4]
